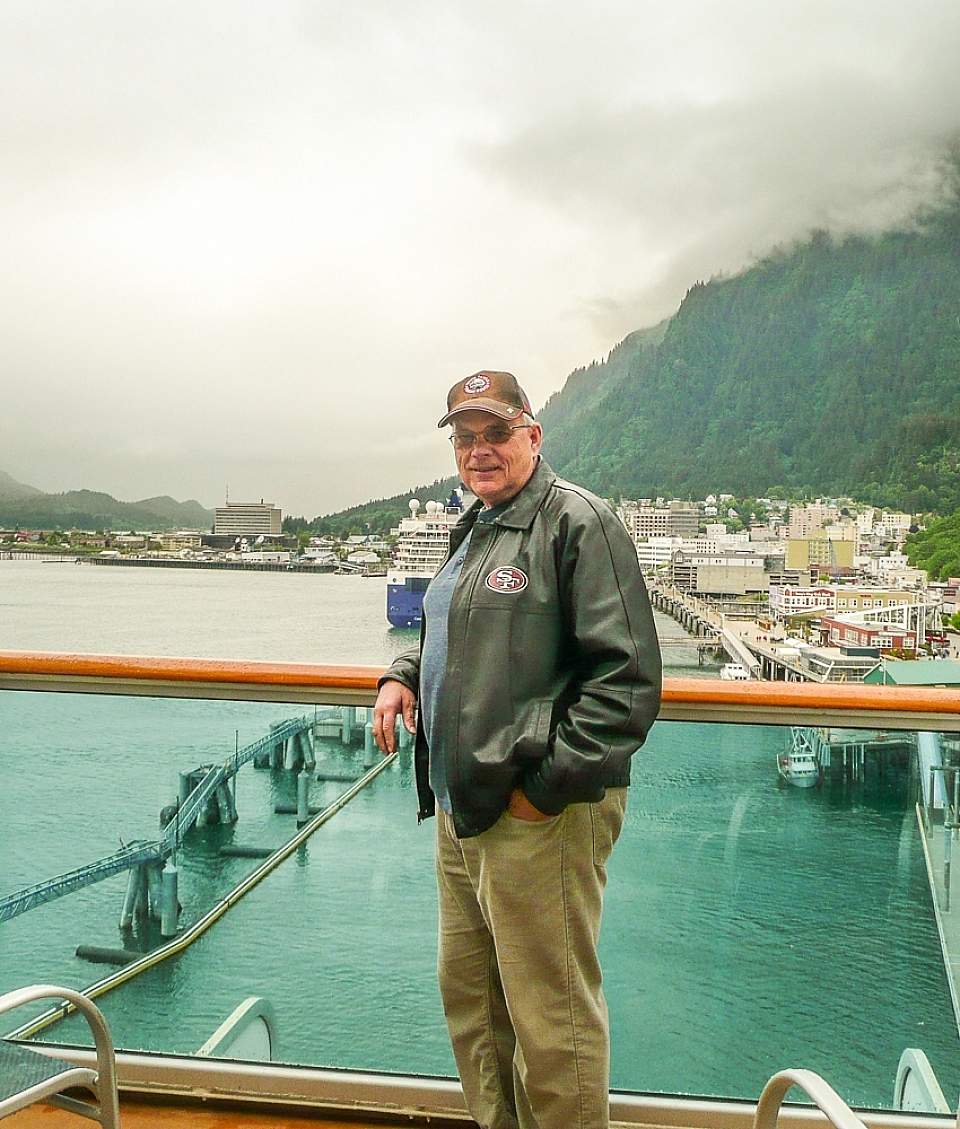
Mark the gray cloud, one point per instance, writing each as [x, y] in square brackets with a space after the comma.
[255, 243]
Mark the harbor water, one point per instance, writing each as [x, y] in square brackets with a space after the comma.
[750, 926]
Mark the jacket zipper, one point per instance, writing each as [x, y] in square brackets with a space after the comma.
[491, 539]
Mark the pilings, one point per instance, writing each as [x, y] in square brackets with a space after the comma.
[303, 797]
[207, 795]
[687, 617]
[169, 902]
[151, 893]
[693, 622]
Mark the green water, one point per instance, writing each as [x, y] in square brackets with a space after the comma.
[749, 925]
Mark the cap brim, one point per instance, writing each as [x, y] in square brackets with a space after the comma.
[494, 407]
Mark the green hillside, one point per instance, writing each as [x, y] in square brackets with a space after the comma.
[831, 367]
[11, 489]
[88, 509]
[937, 548]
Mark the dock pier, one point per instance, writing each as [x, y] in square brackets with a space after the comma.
[205, 796]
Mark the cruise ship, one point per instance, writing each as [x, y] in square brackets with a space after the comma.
[423, 540]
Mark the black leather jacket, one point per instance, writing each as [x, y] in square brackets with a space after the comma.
[553, 666]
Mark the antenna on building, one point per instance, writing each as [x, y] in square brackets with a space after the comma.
[227, 490]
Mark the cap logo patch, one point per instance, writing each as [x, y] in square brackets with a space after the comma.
[475, 385]
[507, 579]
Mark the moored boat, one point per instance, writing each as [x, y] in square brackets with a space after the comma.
[734, 672]
[799, 765]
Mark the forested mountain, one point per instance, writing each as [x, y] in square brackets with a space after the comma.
[29, 508]
[831, 367]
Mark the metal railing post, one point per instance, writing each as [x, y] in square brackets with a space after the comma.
[930, 796]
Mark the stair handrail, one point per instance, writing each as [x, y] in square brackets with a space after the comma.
[820, 1092]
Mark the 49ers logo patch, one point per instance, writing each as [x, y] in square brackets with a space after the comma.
[506, 579]
[475, 385]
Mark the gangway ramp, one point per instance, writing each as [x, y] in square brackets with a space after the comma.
[740, 652]
[141, 852]
[30, 896]
[189, 812]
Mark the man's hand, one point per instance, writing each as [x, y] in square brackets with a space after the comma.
[394, 698]
[521, 808]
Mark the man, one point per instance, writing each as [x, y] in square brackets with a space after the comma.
[537, 677]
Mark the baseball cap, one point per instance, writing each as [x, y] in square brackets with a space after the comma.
[486, 391]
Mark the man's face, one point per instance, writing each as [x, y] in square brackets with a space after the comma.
[495, 473]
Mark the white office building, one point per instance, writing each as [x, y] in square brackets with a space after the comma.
[248, 519]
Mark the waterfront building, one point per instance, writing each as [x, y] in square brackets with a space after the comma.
[129, 541]
[802, 552]
[810, 518]
[860, 599]
[719, 572]
[248, 519]
[866, 638]
[316, 554]
[175, 542]
[916, 672]
[781, 577]
[81, 538]
[788, 600]
[261, 556]
[660, 519]
[655, 552]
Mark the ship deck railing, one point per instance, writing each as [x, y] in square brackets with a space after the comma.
[160, 1089]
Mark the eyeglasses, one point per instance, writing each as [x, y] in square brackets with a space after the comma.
[495, 435]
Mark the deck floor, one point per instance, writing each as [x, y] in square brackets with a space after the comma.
[143, 1115]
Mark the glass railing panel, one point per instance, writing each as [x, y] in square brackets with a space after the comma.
[751, 923]
[89, 775]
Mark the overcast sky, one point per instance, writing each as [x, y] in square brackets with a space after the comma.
[252, 244]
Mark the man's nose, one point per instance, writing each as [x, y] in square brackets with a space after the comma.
[481, 443]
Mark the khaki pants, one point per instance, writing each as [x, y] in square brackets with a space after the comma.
[520, 910]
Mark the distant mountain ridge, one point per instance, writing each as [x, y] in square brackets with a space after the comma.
[10, 488]
[30, 508]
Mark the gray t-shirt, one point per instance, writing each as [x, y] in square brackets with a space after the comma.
[433, 658]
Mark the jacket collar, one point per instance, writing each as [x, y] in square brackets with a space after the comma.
[524, 506]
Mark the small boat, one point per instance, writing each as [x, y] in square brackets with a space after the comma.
[799, 765]
[734, 672]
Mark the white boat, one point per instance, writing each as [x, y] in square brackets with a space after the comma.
[734, 672]
[423, 540]
[799, 765]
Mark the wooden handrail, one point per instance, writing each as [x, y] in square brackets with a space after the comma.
[151, 668]
[680, 691]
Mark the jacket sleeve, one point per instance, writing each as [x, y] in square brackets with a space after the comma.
[615, 692]
[405, 668]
